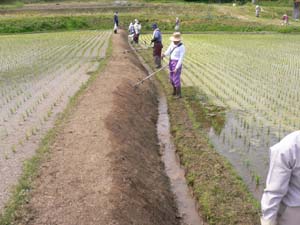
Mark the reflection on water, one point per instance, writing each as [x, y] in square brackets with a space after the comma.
[246, 144]
[185, 203]
[243, 138]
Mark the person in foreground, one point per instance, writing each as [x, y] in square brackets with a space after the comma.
[280, 202]
[176, 51]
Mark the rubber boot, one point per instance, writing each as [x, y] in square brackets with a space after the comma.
[157, 60]
[178, 92]
[174, 91]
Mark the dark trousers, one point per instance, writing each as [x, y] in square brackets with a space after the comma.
[157, 53]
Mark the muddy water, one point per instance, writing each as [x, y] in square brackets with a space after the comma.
[185, 203]
[245, 144]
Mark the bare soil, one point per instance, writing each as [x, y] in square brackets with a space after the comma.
[105, 167]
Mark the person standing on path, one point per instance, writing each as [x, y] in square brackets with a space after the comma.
[131, 32]
[285, 19]
[280, 202]
[131, 28]
[257, 10]
[157, 40]
[176, 51]
[137, 30]
[296, 9]
[177, 24]
[116, 22]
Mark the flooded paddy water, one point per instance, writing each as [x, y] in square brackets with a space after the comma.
[256, 78]
[246, 147]
[38, 75]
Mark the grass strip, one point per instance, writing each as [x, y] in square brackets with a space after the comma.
[192, 23]
[21, 192]
[223, 197]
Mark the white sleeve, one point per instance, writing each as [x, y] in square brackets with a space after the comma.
[182, 52]
[277, 181]
[167, 53]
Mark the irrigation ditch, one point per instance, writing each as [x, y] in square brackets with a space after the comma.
[188, 208]
[221, 194]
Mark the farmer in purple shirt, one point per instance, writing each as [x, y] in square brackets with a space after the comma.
[176, 51]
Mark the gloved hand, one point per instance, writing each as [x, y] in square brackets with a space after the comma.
[267, 222]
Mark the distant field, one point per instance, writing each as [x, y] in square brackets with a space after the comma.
[257, 78]
[48, 1]
[38, 75]
[195, 17]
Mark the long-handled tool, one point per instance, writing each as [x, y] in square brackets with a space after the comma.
[149, 76]
[133, 50]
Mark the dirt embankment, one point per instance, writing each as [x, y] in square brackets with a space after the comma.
[104, 167]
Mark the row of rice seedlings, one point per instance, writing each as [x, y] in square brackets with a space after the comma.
[75, 61]
[17, 103]
[248, 82]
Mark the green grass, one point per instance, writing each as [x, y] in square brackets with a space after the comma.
[21, 193]
[195, 17]
[85, 22]
[13, 5]
[59, 23]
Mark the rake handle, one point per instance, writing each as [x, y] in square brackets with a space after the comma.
[149, 76]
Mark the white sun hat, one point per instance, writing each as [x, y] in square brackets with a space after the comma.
[176, 36]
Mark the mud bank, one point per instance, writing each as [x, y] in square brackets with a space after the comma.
[142, 191]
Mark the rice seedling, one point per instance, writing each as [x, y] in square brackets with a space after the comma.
[39, 72]
[255, 74]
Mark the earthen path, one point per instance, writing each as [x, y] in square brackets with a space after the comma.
[104, 167]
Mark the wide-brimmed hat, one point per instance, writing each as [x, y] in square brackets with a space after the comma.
[176, 37]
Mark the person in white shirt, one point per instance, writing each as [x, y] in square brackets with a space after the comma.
[131, 32]
[280, 202]
[257, 10]
[177, 24]
[137, 30]
[176, 51]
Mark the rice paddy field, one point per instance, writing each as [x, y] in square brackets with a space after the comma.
[256, 78]
[38, 74]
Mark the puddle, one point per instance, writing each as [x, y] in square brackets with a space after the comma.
[185, 203]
